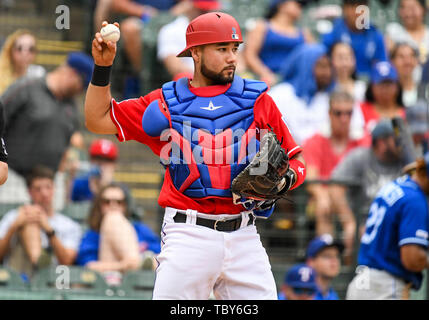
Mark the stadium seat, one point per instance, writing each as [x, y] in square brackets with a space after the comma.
[10, 279]
[12, 287]
[137, 284]
[72, 282]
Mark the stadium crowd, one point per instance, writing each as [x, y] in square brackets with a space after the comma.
[353, 97]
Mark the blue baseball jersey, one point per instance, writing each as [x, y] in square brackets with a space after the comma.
[398, 216]
[330, 295]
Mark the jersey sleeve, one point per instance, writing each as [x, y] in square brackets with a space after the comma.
[127, 116]
[267, 115]
[414, 222]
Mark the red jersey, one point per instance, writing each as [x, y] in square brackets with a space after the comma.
[318, 152]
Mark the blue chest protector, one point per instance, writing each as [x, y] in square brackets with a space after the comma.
[211, 141]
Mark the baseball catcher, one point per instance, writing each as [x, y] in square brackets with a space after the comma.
[209, 239]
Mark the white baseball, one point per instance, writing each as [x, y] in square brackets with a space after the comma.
[110, 33]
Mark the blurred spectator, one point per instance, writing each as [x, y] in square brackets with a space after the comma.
[16, 58]
[35, 235]
[271, 41]
[370, 168]
[299, 283]
[344, 67]
[103, 158]
[113, 243]
[411, 29]
[366, 40]
[303, 96]
[405, 59]
[323, 255]
[41, 117]
[418, 123]
[322, 152]
[4, 168]
[383, 96]
[172, 40]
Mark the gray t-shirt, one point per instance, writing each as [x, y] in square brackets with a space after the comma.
[38, 125]
[360, 166]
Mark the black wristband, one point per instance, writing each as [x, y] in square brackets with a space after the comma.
[101, 75]
[50, 234]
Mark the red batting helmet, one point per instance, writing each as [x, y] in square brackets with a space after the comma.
[212, 27]
[103, 148]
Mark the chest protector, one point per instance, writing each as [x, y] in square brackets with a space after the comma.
[212, 138]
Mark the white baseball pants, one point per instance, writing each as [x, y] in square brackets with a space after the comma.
[196, 260]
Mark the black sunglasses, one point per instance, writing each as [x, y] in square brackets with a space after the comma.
[106, 201]
[306, 291]
[338, 113]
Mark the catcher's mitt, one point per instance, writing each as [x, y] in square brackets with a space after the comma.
[267, 176]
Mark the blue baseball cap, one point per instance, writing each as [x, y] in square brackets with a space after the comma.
[382, 129]
[383, 71]
[319, 243]
[83, 64]
[301, 276]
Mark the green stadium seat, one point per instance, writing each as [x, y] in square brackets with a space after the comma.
[10, 279]
[137, 284]
[71, 283]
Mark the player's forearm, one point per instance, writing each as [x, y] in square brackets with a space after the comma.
[97, 107]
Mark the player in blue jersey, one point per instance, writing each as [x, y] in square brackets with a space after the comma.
[393, 248]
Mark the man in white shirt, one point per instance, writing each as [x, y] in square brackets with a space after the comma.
[171, 39]
[34, 235]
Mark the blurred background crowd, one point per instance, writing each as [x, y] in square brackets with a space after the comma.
[350, 81]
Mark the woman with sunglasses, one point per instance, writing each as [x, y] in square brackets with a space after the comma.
[114, 244]
[17, 57]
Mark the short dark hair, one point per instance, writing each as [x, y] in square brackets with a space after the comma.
[39, 172]
[353, 2]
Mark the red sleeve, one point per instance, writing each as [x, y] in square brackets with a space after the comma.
[127, 116]
[267, 114]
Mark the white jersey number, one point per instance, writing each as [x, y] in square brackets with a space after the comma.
[375, 218]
